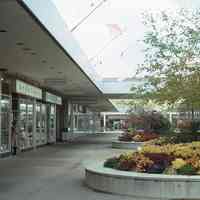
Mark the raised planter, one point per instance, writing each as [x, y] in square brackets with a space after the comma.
[142, 185]
[126, 145]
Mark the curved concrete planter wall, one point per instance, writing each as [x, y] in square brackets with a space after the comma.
[142, 185]
[126, 145]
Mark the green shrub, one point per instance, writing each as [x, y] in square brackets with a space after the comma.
[186, 170]
[177, 138]
[111, 163]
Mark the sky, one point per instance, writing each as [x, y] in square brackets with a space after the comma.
[111, 53]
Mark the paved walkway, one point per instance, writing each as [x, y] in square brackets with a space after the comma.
[55, 172]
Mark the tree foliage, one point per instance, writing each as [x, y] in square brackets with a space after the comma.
[172, 58]
[150, 121]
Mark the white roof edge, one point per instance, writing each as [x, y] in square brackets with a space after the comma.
[58, 29]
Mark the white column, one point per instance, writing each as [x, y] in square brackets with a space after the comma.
[34, 124]
[104, 122]
[72, 119]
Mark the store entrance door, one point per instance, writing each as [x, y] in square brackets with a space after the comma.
[25, 116]
[41, 124]
[51, 123]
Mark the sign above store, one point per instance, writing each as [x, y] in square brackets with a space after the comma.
[27, 89]
[53, 98]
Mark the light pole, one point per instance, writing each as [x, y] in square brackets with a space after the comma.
[90, 13]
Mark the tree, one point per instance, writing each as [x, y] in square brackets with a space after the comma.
[172, 58]
[150, 121]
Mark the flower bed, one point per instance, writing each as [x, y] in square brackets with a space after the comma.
[181, 159]
[141, 185]
[137, 137]
[175, 139]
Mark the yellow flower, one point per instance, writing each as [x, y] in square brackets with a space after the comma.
[178, 163]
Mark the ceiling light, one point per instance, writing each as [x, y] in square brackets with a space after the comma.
[19, 43]
[3, 31]
[26, 49]
[3, 70]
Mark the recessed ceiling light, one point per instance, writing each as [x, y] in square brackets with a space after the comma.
[3, 69]
[19, 43]
[26, 49]
[3, 31]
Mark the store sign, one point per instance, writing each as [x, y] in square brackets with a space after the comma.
[53, 98]
[27, 89]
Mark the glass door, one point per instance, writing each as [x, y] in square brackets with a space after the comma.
[38, 124]
[25, 124]
[29, 125]
[43, 124]
[51, 123]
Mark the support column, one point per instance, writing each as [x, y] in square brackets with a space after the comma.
[71, 119]
[104, 122]
[93, 126]
[34, 125]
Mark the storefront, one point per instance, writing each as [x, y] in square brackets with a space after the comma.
[54, 104]
[25, 101]
[5, 125]
[81, 121]
[34, 115]
[5, 116]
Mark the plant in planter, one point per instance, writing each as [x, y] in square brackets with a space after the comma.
[183, 168]
[181, 159]
[112, 162]
[161, 162]
[126, 137]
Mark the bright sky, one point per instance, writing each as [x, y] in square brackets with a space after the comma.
[120, 57]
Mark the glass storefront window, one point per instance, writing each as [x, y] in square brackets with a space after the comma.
[51, 123]
[22, 111]
[30, 118]
[43, 116]
[38, 116]
[52, 116]
[86, 122]
[25, 123]
[5, 123]
[41, 130]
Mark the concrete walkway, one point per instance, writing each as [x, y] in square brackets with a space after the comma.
[55, 172]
